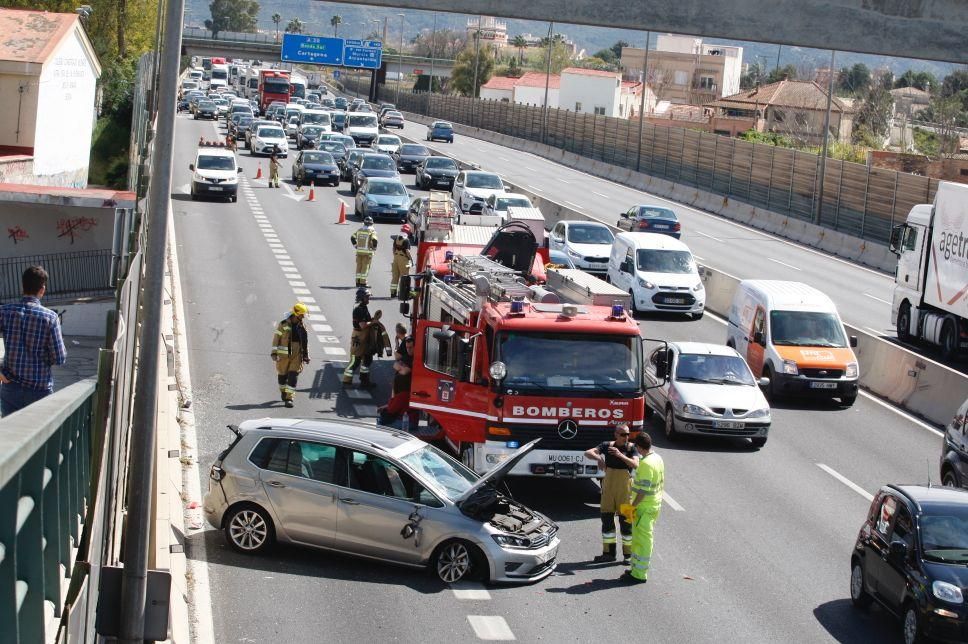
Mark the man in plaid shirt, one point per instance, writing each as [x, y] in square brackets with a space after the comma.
[33, 344]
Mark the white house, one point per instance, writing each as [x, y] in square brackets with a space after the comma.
[529, 89]
[593, 91]
[48, 85]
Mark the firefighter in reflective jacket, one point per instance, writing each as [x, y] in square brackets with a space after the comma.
[290, 351]
[646, 501]
[360, 356]
[618, 458]
[402, 259]
[364, 241]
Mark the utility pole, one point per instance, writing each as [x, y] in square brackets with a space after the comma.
[779, 48]
[477, 54]
[433, 49]
[826, 136]
[645, 85]
[544, 112]
[400, 59]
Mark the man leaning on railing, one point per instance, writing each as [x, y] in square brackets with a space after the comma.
[32, 343]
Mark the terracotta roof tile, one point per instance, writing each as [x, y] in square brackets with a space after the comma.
[537, 79]
[32, 36]
[784, 93]
[500, 83]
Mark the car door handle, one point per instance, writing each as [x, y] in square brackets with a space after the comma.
[350, 501]
[276, 483]
[420, 394]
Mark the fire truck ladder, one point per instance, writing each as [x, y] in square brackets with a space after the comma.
[490, 278]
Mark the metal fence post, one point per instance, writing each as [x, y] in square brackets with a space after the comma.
[793, 172]
[749, 183]
[840, 188]
[893, 196]
[715, 160]
[665, 166]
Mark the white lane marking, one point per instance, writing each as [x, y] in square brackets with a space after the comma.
[573, 205]
[359, 394]
[469, 590]
[532, 188]
[292, 270]
[875, 331]
[285, 262]
[846, 481]
[527, 167]
[490, 627]
[699, 232]
[296, 283]
[900, 412]
[716, 318]
[601, 195]
[562, 180]
[783, 264]
[874, 297]
[315, 309]
[284, 258]
[698, 257]
[322, 328]
[334, 351]
[306, 299]
[672, 502]
[328, 339]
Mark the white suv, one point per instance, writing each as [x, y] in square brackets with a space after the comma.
[475, 186]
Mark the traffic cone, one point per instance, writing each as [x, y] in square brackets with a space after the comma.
[258, 175]
[312, 192]
[342, 212]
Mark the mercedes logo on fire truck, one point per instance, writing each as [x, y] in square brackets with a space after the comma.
[568, 429]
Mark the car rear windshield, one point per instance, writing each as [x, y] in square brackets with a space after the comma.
[507, 202]
[484, 181]
[333, 146]
[312, 130]
[719, 370]
[378, 163]
[388, 140]
[589, 235]
[665, 261]
[648, 212]
[806, 329]
[443, 126]
[414, 150]
[207, 162]
[387, 188]
[322, 119]
[440, 163]
[206, 105]
[318, 157]
[271, 133]
[363, 120]
[944, 534]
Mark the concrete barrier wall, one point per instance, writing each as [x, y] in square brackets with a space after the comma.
[917, 384]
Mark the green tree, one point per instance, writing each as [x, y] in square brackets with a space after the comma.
[514, 69]
[854, 81]
[295, 26]
[276, 18]
[462, 76]
[232, 15]
[617, 48]
[520, 43]
[919, 80]
[336, 21]
[560, 55]
[872, 119]
[787, 72]
[595, 62]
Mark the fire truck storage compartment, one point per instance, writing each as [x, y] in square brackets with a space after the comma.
[530, 217]
[581, 288]
[513, 245]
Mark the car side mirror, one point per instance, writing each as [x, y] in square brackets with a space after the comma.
[763, 383]
[404, 308]
[853, 341]
[239, 170]
[507, 187]
[758, 338]
[899, 549]
[191, 166]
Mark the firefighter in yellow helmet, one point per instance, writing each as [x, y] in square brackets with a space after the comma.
[290, 351]
[402, 258]
[364, 242]
[646, 501]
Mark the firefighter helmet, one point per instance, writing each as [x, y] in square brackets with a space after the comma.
[368, 221]
[362, 293]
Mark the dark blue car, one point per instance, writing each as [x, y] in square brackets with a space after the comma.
[373, 165]
[440, 131]
[315, 167]
[650, 219]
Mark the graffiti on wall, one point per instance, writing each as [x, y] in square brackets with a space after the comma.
[74, 227]
[17, 234]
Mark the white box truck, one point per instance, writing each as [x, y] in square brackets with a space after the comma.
[931, 280]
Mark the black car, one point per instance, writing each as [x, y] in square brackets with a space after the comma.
[206, 110]
[340, 103]
[373, 165]
[316, 167]
[409, 156]
[911, 556]
[954, 450]
[352, 159]
[436, 172]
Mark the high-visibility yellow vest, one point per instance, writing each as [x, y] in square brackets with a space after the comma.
[649, 481]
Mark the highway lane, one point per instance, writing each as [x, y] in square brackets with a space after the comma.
[759, 552]
[863, 296]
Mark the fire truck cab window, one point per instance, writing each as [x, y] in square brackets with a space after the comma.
[442, 354]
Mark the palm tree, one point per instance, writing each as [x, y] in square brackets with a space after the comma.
[295, 26]
[336, 21]
[520, 42]
[276, 18]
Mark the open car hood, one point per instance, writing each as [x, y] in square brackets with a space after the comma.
[497, 473]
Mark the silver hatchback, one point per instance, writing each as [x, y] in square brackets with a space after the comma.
[375, 493]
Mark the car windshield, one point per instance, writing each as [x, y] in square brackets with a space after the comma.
[271, 133]
[410, 149]
[311, 131]
[441, 472]
[441, 163]
[381, 188]
[316, 118]
[589, 235]
[508, 202]
[363, 120]
[378, 163]
[484, 181]
[724, 370]
[206, 162]
[806, 329]
[649, 212]
[665, 261]
[944, 534]
[560, 361]
[318, 157]
[387, 140]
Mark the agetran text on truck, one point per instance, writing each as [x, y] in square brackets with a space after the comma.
[931, 280]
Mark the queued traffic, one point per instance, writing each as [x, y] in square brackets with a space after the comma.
[502, 311]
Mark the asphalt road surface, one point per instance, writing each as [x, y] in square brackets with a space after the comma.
[751, 546]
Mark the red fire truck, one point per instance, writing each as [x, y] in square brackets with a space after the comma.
[273, 86]
[500, 360]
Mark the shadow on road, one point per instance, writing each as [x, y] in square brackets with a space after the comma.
[848, 624]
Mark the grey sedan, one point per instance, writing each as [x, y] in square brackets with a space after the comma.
[375, 493]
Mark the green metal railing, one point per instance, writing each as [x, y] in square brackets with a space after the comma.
[45, 473]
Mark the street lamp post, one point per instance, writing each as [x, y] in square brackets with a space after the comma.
[544, 110]
[477, 54]
[400, 59]
[433, 47]
[645, 78]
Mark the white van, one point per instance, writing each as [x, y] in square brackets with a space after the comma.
[215, 173]
[363, 127]
[659, 272]
[792, 334]
[317, 117]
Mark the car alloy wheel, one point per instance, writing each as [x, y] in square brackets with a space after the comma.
[454, 562]
[248, 530]
[858, 596]
[670, 425]
[912, 626]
